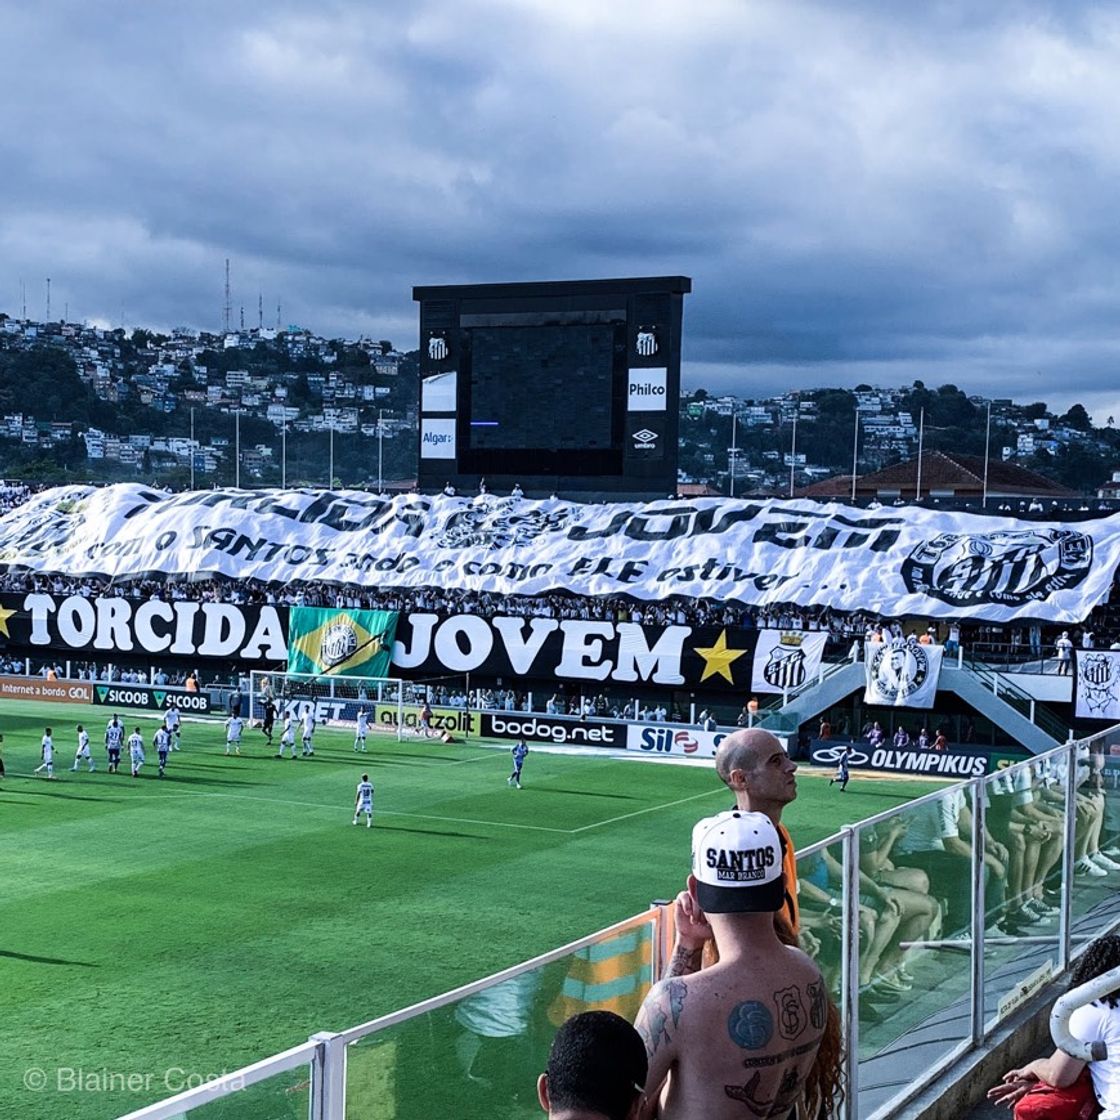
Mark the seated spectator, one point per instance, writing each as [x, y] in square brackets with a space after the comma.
[908, 889]
[596, 1070]
[1098, 1021]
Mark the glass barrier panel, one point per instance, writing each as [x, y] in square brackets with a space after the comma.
[479, 1057]
[1023, 842]
[1096, 870]
[284, 1096]
[915, 943]
[820, 893]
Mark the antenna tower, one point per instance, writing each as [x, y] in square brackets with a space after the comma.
[48, 299]
[229, 304]
[260, 311]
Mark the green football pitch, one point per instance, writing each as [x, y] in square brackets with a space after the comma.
[229, 910]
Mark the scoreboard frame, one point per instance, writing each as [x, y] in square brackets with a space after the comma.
[640, 462]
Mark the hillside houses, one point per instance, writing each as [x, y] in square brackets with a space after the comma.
[291, 379]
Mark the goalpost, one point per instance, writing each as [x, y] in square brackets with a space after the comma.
[393, 706]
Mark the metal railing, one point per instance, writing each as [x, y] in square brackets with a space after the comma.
[1010, 693]
[952, 1012]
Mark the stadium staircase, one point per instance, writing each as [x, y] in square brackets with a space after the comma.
[986, 690]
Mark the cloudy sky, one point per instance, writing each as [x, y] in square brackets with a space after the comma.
[860, 191]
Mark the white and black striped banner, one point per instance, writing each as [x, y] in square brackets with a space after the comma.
[902, 561]
[1097, 684]
[786, 659]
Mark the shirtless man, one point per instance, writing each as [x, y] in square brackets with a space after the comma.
[739, 1038]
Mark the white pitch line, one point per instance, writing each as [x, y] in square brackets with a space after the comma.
[379, 812]
[466, 820]
[429, 817]
[651, 809]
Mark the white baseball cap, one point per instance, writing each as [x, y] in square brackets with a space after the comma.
[737, 863]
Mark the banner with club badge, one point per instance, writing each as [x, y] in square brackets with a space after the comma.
[897, 562]
[340, 643]
[1097, 684]
[786, 659]
[902, 673]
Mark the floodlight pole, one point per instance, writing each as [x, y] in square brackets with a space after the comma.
[192, 447]
[921, 434]
[284, 453]
[793, 454]
[237, 448]
[734, 449]
[330, 469]
[987, 445]
[380, 447]
[855, 455]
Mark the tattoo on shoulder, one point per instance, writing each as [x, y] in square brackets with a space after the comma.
[750, 1025]
[792, 1017]
[653, 1021]
[678, 990]
[818, 1005]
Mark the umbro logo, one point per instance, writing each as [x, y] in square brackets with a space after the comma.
[645, 439]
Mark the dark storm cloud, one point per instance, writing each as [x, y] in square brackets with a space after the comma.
[860, 191]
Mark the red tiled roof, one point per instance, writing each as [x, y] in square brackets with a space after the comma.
[697, 490]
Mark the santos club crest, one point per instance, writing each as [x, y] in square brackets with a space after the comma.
[1098, 685]
[785, 667]
[1010, 567]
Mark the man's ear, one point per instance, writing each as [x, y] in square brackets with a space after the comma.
[542, 1090]
[690, 883]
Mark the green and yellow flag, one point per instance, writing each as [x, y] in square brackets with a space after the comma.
[340, 643]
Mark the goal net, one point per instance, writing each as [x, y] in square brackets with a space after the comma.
[434, 709]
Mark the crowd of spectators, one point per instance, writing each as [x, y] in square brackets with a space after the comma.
[13, 494]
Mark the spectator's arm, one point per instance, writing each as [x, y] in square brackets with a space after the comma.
[692, 932]
[657, 1024]
[1059, 1070]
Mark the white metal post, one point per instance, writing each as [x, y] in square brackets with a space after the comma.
[978, 912]
[1065, 913]
[328, 1077]
[849, 971]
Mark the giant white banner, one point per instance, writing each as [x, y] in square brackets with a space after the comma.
[902, 673]
[786, 659]
[898, 561]
[1097, 684]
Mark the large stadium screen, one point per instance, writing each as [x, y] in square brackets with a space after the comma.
[542, 387]
[568, 386]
